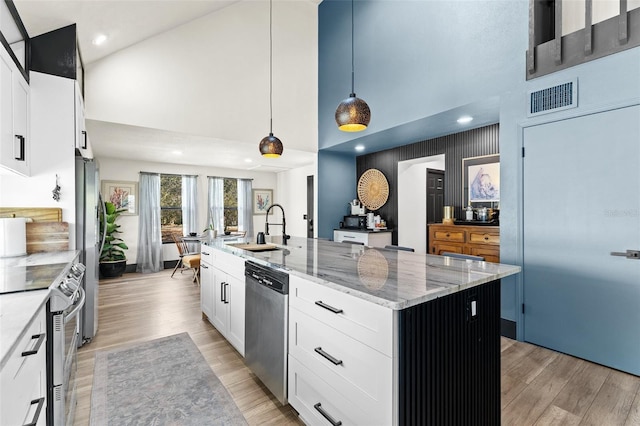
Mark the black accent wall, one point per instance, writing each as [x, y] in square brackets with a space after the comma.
[472, 143]
[55, 52]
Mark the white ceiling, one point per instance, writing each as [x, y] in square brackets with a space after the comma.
[126, 23]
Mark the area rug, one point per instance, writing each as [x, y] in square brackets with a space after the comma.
[165, 381]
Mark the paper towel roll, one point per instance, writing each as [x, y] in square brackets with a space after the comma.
[13, 237]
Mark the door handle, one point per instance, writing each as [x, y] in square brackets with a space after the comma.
[629, 254]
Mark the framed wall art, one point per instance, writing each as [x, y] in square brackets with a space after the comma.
[123, 194]
[481, 180]
[262, 199]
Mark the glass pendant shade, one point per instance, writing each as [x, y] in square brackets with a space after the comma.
[270, 146]
[353, 114]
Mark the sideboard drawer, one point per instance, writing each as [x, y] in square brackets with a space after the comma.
[484, 237]
[449, 235]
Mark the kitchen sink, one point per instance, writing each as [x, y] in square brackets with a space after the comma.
[254, 246]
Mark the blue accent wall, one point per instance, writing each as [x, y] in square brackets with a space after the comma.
[418, 61]
[336, 187]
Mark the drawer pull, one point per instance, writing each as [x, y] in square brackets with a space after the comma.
[36, 416]
[486, 238]
[36, 348]
[204, 266]
[326, 415]
[205, 253]
[448, 235]
[328, 307]
[348, 236]
[333, 360]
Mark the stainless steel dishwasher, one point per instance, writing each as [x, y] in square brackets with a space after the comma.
[267, 326]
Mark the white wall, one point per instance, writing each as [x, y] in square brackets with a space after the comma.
[210, 76]
[116, 169]
[52, 151]
[292, 190]
[412, 201]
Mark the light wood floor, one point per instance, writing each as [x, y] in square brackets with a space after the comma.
[539, 386]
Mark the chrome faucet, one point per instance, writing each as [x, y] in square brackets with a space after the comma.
[285, 237]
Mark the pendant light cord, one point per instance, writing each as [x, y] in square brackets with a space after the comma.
[271, 66]
[352, 54]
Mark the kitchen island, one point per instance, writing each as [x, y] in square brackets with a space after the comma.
[385, 337]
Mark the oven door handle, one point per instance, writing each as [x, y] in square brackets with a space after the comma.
[79, 306]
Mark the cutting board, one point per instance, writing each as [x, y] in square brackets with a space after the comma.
[254, 246]
[36, 214]
[47, 236]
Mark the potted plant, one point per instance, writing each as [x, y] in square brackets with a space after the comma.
[113, 260]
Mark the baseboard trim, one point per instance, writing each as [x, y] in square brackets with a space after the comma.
[508, 328]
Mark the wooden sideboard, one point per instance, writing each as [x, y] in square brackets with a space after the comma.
[467, 239]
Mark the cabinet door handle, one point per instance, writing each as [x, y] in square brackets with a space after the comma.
[222, 292]
[205, 253]
[326, 415]
[84, 142]
[333, 360]
[328, 307]
[226, 293]
[18, 149]
[36, 416]
[36, 348]
[204, 266]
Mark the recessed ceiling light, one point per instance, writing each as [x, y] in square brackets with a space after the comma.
[248, 160]
[359, 148]
[176, 152]
[465, 119]
[99, 39]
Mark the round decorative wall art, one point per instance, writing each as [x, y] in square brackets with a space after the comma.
[373, 189]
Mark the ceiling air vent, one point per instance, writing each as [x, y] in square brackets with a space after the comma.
[552, 99]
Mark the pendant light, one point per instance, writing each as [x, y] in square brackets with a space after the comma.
[353, 114]
[271, 146]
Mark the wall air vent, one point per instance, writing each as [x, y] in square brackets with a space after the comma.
[553, 99]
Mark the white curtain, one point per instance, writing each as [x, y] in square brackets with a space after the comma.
[245, 213]
[189, 204]
[149, 257]
[216, 203]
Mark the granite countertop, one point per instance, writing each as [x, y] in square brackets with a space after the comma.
[18, 309]
[394, 279]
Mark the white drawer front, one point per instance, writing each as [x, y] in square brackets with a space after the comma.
[307, 390]
[229, 263]
[364, 321]
[206, 254]
[343, 363]
[352, 237]
[23, 378]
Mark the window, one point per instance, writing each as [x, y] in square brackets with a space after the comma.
[230, 202]
[170, 206]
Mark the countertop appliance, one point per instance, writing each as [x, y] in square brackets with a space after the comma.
[266, 326]
[354, 222]
[89, 208]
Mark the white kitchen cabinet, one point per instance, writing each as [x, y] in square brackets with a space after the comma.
[15, 142]
[206, 281]
[335, 342]
[223, 294]
[82, 139]
[23, 379]
[368, 238]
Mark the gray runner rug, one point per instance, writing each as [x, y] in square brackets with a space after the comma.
[165, 381]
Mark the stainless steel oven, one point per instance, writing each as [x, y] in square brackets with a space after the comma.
[65, 305]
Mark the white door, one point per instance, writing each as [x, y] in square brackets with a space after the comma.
[581, 204]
